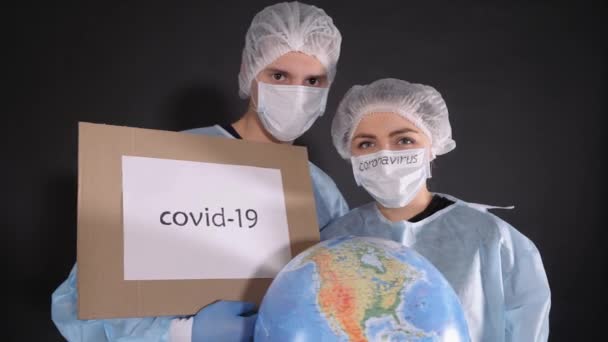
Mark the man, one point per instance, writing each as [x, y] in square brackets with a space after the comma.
[288, 63]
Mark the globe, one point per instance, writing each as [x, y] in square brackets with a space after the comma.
[360, 289]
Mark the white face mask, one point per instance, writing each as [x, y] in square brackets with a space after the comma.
[288, 111]
[393, 178]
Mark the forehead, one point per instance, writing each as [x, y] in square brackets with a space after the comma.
[383, 122]
[298, 63]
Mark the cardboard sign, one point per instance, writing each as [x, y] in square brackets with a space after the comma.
[170, 222]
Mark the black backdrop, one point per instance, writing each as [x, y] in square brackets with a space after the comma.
[525, 84]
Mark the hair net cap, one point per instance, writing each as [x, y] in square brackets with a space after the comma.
[287, 27]
[418, 103]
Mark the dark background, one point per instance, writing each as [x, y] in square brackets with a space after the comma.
[525, 84]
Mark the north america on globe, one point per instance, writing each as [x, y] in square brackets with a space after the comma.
[360, 289]
[358, 284]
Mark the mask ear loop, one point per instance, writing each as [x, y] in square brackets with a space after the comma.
[430, 157]
[255, 101]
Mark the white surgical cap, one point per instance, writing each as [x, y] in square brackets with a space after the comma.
[420, 104]
[287, 27]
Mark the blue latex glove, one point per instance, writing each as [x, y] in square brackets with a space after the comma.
[224, 321]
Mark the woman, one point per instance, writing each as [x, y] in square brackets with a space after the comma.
[391, 130]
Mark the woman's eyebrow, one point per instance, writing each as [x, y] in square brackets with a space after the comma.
[401, 131]
[364, 135]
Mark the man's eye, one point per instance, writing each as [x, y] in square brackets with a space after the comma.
[278, 77]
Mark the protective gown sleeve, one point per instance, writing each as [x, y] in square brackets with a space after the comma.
[526, 289]
[64, 309]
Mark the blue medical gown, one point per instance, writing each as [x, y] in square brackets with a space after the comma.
[496, 271]
[330, 205]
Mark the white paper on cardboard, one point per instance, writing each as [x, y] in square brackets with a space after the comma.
[195, 220]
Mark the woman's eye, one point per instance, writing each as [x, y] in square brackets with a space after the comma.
[405, 141]
[313, 81]
[278, 77]
[365, 144]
